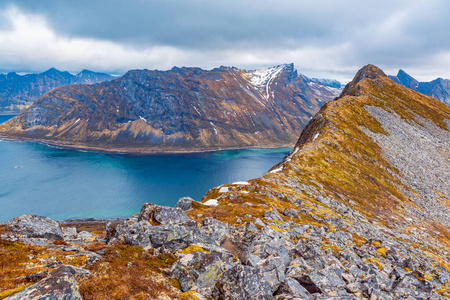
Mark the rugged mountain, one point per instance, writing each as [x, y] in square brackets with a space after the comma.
[438, 88]
[20, 91]
[333, 83]
[90, 77]
[358, 210]
[183, 109]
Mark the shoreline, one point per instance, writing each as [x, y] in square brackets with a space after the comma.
[136, 151]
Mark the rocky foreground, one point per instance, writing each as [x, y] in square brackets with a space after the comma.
[358, 210]
[274, 257]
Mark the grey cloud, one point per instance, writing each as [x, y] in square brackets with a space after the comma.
[205, 23]
[391, 34]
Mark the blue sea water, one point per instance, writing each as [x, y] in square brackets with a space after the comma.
[62, 184]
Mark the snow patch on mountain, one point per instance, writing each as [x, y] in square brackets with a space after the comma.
[261, 79]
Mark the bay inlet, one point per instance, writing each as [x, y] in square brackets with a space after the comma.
[61, 184]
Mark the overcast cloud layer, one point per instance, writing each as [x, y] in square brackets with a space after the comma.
[322, 38]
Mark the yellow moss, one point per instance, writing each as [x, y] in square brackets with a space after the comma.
[407, 269]
[193, 248]
[189, 295]
[375, 261]
[5, 294]
[332, 229]
[275, 228]
[376, 244]
[382, 251]
[175, 283]
[428, 277]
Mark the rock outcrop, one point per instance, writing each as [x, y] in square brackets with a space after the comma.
[183, 109]
[60, 284]
[31, 226]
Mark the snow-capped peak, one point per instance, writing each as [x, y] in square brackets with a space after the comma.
[259, 78]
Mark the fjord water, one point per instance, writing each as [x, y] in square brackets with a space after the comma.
[61, 184]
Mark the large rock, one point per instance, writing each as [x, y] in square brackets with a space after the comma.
[243, 282]
[60, 284]
[172, 236]
[212, 232]
[293, 288]
[271, 243]
[198, 270]
[168, 237]
[184, 203]
[273, 270]
[239, 241]
[31, 226]
[162, 215]
[411, 286]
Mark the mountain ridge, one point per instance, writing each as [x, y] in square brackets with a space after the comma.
[438, 88]
[18, 92]
[183, 109]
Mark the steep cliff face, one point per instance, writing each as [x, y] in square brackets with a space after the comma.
[19, 91]
[438, 88]
[177, 110]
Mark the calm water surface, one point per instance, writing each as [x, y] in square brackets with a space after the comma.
[61, 184]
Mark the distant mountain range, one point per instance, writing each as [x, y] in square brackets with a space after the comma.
[19, 91]
[183, 109]
[438, 88]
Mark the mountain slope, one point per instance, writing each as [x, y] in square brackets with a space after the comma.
[438, 88]
[20, 91]
[183, 109]
[372, 168]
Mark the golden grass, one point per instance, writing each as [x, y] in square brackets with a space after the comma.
[128, 271]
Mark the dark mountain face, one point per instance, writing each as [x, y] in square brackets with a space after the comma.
[19, 91]
[438, 88]
[182, 109]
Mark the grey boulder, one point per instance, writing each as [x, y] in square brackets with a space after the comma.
[31, 226]
[184, 203]
[60, 284]
[162, 215]
[243, 282]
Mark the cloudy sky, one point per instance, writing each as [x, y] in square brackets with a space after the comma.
[330, 39]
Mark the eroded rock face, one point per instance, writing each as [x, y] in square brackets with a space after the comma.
[31, 226]
[59, 284]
